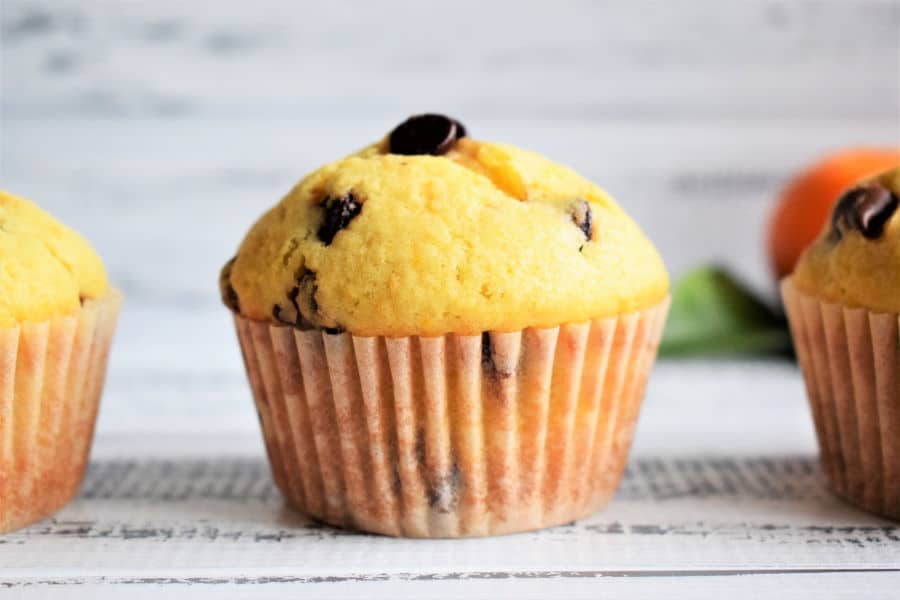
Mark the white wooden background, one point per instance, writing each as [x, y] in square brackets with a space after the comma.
[161, 129]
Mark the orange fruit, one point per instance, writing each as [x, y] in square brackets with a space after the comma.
[805, 204]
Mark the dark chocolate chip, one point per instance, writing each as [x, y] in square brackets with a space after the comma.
[305, 298]
[460, 130]
[276, 314]
[300, 294]
[583, 217]
[425, 134]
[875, 209]
[302, 310]
[338, 214]
[866, 209]
[229, 296]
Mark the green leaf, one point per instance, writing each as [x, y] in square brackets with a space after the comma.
[714, 314]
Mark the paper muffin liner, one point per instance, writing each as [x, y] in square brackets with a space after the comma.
[451, 436]
[849, 358]
[51, 376]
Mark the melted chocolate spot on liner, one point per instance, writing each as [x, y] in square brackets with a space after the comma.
[444, 491]
[420, 446]
[488, 364]
[397, 480]
[487, 353]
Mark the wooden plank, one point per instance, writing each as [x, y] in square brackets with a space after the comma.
[789, 586]
[223, 518]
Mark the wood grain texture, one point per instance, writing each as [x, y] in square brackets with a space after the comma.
[526, 585]
[138, 520]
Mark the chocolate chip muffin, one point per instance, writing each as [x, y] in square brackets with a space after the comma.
[446, 337]
[57, 315]
[843, 306]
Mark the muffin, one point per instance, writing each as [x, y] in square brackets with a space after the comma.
[446, 337]
[843, 306]
[57, 315]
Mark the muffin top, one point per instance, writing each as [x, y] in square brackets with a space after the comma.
[429, 232]
[46, 269]
[856, 259]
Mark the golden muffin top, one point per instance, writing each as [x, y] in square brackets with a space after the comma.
[46, 269]
[429, 232]
[856, 259]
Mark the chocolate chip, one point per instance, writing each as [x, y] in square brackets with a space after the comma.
[338, 214]
[284, 317]
[583, 217]
[303, 293]
[460, 130]
[426, 134]
[229, 296]
[305, 299]
[865, 208]
[302, 310]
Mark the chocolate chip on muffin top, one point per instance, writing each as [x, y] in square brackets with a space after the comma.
[338, 214]
[425, 134]
[864, 208]
[583, 218]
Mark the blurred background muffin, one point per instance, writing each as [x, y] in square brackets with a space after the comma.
[843, 304]
[57, 316]
[805, 204]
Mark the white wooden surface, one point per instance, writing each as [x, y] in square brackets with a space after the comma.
[723, 495]
[161, 130]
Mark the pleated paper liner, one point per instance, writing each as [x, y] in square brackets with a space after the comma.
[51, 376]
[851, 365]
[451, 436]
